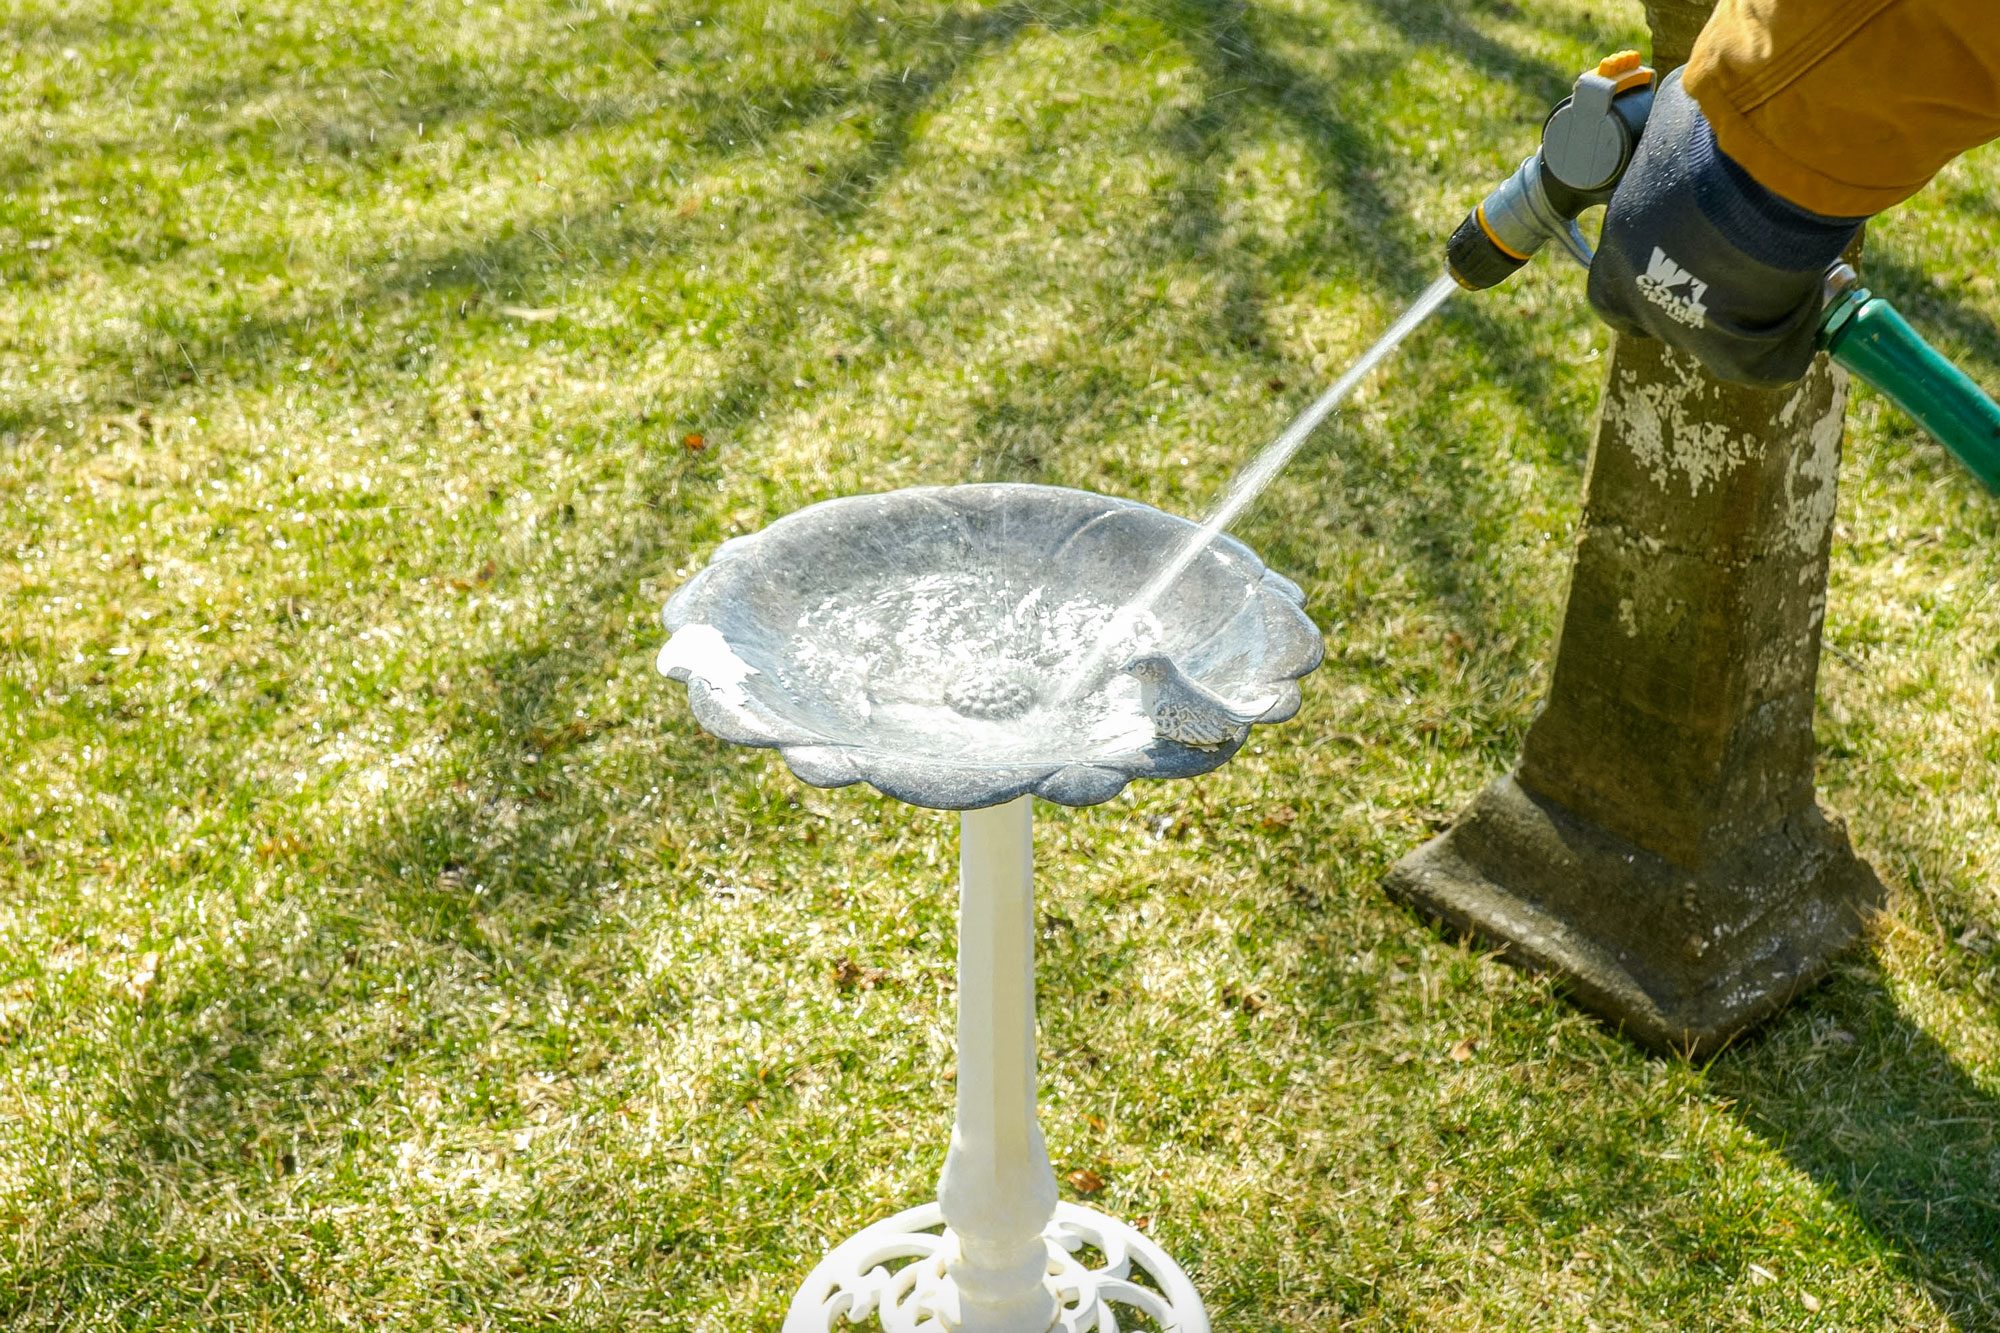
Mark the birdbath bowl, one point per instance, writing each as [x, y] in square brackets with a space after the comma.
[967, 648]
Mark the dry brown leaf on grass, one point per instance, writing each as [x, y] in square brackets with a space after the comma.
[850, 975]
[484, 574]
[1085, 1181]
[1250, 1001]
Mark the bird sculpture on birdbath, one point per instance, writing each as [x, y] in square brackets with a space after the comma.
[1184, 711]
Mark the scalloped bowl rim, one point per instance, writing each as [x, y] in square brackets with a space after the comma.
[942, 783]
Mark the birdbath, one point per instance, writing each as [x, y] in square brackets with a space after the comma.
[967, 648]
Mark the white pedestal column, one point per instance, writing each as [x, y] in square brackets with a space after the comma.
[996, 1253]
[998, 1191]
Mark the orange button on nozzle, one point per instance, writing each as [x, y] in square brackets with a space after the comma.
[1627, 68]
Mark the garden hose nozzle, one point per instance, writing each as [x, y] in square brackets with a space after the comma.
[1587, 143]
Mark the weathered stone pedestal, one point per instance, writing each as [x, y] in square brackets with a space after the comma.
[1660, 845]
[1679, 958]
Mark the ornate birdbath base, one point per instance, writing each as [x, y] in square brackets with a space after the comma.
[898, 1272]
[971, 648]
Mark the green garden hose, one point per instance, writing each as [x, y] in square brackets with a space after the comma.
[1864, 333]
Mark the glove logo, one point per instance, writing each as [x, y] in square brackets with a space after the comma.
[1658, 284]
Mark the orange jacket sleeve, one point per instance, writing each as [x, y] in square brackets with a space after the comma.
[1846, 107]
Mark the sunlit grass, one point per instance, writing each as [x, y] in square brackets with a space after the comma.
[382, 944]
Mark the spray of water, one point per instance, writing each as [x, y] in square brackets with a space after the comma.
[1251, 481]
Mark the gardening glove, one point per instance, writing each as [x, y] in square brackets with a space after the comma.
[1696, 253]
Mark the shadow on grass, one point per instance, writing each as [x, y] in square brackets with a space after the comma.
[1443, 25]
[183, 350]
[1410, 482]
[1865, 1102]
[845, 192]
[463, 875]
[533, 688]
[356, 100]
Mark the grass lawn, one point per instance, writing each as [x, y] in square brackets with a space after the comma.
[381, 944]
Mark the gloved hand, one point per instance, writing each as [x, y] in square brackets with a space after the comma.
[1696, 253]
